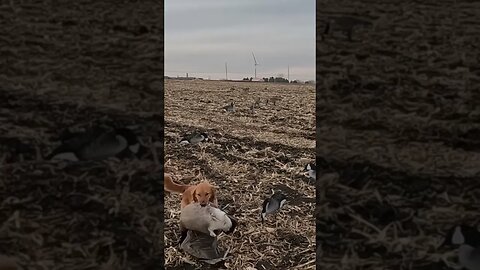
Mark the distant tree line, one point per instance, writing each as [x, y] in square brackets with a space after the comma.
[271, 79]
[275, 79]
[278, 79]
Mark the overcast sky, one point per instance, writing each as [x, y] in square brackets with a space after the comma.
[200, 36]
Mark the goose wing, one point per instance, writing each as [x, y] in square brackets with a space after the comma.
[201, 245]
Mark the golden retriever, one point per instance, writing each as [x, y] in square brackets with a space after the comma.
[204, 193]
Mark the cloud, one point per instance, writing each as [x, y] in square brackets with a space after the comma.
[200, 36]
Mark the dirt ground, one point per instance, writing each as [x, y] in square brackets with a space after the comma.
[249, 153]
[68, 64]
[397, 134]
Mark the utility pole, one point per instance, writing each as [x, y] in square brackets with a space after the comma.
[288, 76]
[226, 71]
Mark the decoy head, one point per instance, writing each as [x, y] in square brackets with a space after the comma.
[265, 204]
[461, 234]
[310, 166]
[131, 138]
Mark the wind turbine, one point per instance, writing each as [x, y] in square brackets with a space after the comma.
[288, 72]
[255, 64]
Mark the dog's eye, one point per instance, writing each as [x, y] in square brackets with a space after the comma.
[206, 194]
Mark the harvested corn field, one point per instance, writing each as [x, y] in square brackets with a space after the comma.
[398, 126]
[76, 215]
[263, 144]
[79, 64]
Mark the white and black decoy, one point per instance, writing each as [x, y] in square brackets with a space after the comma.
[467, 239]
[229, 108]
[311, 171]
[96, 145]
[273, 204]
[194, 138]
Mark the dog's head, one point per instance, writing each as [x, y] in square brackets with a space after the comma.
[204, 193]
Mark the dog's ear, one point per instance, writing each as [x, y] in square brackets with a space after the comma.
[194, 195]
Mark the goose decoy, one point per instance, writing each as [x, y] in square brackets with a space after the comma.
[229, 108]
[96, 144]
[311, 171]
[195, 138]
[272, 204]
[345, 25]
[468, 240]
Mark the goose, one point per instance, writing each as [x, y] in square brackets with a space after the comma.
[467, 239]
[96, 144]
[311, 171]
[273, 204]
[229, 108]
[205, 219]
[194, 138]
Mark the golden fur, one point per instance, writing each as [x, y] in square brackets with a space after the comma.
[204, 193]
